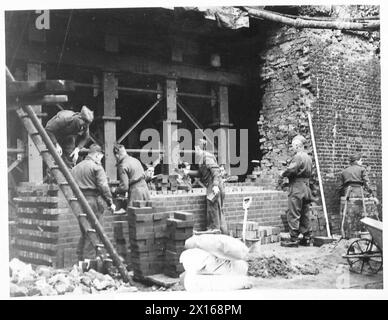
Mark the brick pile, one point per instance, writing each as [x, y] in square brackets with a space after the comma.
[255, 232]
[121, 236]
[179, 229]
[146, 257]
[38, 223]
[173, 183]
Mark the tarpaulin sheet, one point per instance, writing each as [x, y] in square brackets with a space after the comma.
[226, 17]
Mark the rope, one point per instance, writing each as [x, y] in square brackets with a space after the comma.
[65, 38]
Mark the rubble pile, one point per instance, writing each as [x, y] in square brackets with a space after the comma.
[330, 254]
[271, 266]
[47, 281]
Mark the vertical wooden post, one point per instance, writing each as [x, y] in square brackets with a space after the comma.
[109, 100]
[35, 163]
[223, 145]
[170, 128]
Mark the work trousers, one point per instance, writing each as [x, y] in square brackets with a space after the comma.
[138, 191]
[353, 191]
[85, 248]
[67, 144]
[215, 210]
[298, 215]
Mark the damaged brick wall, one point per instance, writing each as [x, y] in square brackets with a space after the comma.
[336, 76]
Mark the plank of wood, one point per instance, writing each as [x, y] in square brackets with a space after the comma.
[125, 63]
[162, 280]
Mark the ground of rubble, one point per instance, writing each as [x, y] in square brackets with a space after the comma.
[275, 267]
[270, 267]
[47, 281]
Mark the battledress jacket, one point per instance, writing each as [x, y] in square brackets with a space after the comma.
[90, 175]
[67, 123]
[130, 171]
[354, 174]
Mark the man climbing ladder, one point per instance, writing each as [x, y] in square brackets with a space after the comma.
[43, 92]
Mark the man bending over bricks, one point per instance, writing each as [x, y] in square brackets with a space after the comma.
[299, 172]
[131, 175]
[210, 175]
[92, 180]
[69, 131]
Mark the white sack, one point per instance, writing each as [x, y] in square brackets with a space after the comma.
[220, 245]
[199, 261]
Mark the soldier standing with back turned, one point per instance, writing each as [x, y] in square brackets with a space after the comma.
[299, 172]
[92, 180]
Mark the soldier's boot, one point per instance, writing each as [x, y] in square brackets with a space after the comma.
[290, 243]
[306, 240]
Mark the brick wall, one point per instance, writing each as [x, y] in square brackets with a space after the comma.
[266, 208]
[335, 76]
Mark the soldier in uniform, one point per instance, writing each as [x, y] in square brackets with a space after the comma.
[92, 180]
[355, 176]
[131, 175]
[210, 175]
[298, 172]
[69, 131]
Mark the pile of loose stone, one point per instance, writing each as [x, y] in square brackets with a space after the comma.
[47, 281]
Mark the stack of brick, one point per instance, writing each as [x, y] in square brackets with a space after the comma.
[160, 238]
[121, 235]
[47, 231]
[254, 232]
[179, 229]
[144, 256]
[37, 224]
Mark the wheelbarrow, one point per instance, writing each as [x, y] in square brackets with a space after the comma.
[366, 255]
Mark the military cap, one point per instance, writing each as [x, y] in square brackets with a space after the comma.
[87, 114]
[299, 138]
[355, 157]
[117, 147]
[95, 148]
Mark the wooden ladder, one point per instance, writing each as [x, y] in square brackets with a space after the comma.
[73, 194]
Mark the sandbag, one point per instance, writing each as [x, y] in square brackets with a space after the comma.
[194, 260]
[199, 282]
[202, 262]
[220, 245]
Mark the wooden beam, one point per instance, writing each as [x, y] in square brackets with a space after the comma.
[126, 133]
[223, 143]
[305, 22]
[171, 93]
[35, 163]
[25, 88]
[170, 128]
[125, 63]
[109, 94]
[196, 123]
[111, 43]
